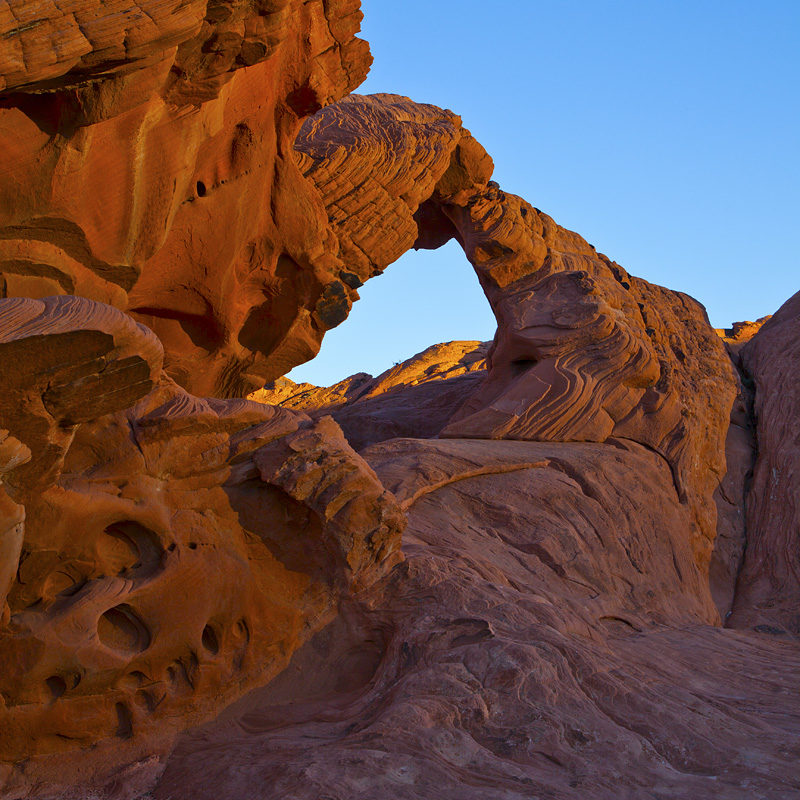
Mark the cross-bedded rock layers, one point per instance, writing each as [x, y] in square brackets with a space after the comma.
[598, 585]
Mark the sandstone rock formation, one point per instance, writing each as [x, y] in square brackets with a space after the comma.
[583, 351]
[162, 553]
[538, 641]
[415, 398]
[768, 592]
[740, 333]
[586, 605]
[148, 164]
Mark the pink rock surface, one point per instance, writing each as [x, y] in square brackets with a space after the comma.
[768, 592]
[583, 351]
[547, 636]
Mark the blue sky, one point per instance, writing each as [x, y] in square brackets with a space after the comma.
[666, 132]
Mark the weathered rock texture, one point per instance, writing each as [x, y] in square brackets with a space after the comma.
[148, 163]
[583, 351]
[172, 552]
[543, 638]
[768, 595]
[740, 333]
[573, 542]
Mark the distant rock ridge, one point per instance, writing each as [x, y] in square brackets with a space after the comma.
[415, 397]
[740, 333]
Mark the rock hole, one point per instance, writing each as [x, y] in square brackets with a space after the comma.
[124, 721]
[193, 545]
[201, 189]
[121, 629]
[303, 101]
[522, 365]
[179, 677]
[57, 686]
[129, 546]
[619, 626]
[210, 640]
[770, 629]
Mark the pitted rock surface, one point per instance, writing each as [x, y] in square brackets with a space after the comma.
[162, 553]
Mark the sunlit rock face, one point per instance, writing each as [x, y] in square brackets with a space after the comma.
[414, 398]
[188, 203]
[148, 164]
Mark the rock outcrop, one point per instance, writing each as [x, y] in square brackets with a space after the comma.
[740, 333]
[148, 164]
[162, 554]
[768, 592]
[543, 638]
[583, 351]
[584, 604]
[415, 398]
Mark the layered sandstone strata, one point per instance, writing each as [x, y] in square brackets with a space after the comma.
[583, 351]
[574, 540]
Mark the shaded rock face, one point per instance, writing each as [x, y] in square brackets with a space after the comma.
[768, 596]
[180, 216]
[543, 638]
[161, 553]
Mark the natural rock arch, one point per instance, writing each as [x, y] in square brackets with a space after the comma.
[580, 354]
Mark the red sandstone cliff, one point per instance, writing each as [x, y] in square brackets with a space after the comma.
[597, 589]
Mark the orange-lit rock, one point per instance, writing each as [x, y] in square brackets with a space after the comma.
[148, 164]
[184, 207]
[414, 398]
[161, 553]
[740, 333]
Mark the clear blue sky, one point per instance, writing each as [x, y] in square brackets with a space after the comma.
[666, 132]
